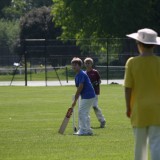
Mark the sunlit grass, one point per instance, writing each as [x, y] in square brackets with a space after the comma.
[31, 116]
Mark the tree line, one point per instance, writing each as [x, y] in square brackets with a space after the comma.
[75, 19]
[105, 18]
[25, 19]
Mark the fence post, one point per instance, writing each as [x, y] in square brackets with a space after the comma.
[25, 62]
[66, 74]
[45, 52]
[30, 70]
[107, 62]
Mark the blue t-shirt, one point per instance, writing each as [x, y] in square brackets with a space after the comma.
[88, 90]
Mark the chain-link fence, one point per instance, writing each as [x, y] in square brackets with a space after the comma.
[49, 60]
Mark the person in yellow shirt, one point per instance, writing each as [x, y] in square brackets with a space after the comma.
[142, 94]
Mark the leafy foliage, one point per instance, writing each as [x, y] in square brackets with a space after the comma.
[104, 18]
[9, 32]
[3, 4]
[38, 24]
[18, 8]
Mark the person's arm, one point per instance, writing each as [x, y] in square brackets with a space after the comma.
[98, 78]
[128, 92]
[79, 89]
[99, 81]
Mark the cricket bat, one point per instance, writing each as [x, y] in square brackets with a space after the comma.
[65, 121]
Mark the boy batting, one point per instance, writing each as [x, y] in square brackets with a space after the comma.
[95, 80]
[142, 94]
[86, 91]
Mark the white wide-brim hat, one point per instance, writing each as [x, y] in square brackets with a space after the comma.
[146, 36]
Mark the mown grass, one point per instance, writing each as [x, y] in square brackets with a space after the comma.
[63, 73]
[39, 75]
[31, 116]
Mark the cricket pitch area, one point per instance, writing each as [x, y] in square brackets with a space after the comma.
[31, 116]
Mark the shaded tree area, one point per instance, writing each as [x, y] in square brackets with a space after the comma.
[76, 19]
[99, 19]
[21, 19]
[3, 4]
[18, 8]
[105, 18]
[38, 24]
[9, 32]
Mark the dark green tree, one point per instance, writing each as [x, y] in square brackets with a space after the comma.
[18, 8]
[9, 32]
[40, 3]
[38, 24]
[104, 18]
[15, 10]
[155, 16]
[3, 4]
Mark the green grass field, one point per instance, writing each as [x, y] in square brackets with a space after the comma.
[31, 116]
[39, 76]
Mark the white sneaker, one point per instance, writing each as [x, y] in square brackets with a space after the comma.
[83, 133]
